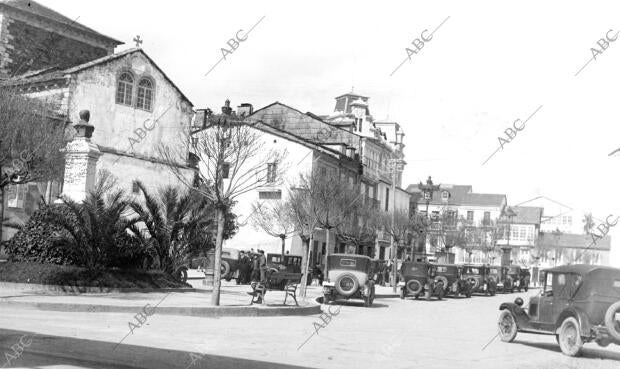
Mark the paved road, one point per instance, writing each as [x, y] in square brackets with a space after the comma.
[392, 334]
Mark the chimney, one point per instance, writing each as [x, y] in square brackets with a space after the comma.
[245, 110]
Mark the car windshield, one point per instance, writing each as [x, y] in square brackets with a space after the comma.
[442, 269]
[493, 271]
[347, 262]
[470, 270]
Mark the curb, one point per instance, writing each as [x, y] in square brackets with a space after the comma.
[72, 290]
[210, 312]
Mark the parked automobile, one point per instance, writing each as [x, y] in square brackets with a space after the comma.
[349, 276]
[578, 304]
[520, 277]
[281, 270]
[419, 279]
[500, 277]
[229, 266]
[478, 278]
[453, 281]
[289, 263]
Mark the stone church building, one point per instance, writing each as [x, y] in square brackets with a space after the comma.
[133, 105]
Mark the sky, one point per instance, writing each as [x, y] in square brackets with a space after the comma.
[487, 65]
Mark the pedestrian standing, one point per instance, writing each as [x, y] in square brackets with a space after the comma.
[255, 269]
[262, 263]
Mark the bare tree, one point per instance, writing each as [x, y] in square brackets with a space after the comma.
[398, 225]
[231, 161]
[300, 207]
[334, 201]
[31, 136]
[361, 227]
[273, 219]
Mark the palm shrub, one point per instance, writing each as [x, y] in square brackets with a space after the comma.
[92, 228]
[170, 219]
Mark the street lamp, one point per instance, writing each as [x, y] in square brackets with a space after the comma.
[427, 190]
[509, 213]
[396, 166]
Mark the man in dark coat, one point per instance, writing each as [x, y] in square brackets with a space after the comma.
[255, 269]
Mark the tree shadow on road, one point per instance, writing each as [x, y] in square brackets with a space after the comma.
[46, 350]
[587, 352]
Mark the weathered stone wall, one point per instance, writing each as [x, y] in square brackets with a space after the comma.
[29, 44]
[115, 124]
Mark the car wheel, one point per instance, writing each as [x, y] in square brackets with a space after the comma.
[181, 274]
[507, 326]
[224, 268]
[350, 284]
[570, 337]
[402, 294]
[414, 286]
[612, 325]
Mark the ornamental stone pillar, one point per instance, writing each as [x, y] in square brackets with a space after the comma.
[81, 157]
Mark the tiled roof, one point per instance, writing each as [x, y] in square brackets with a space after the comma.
[483, 199]
[576, 241]
[527, 215]
[29, 78]
[34, 8]
[461, 195]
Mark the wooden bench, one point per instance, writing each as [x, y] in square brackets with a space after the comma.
[276, 281]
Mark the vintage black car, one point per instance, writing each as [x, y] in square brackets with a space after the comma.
[478, 277]
[229, 266]
[520, 277]
[349, 276]
[281, 270]
[451, 276]
[578, 304]
[419, 279]
[501, 278]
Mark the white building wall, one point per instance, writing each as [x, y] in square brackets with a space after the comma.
[299, 160]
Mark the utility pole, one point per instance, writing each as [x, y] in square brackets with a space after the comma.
[396, 166]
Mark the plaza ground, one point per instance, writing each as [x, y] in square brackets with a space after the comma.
[393, 333]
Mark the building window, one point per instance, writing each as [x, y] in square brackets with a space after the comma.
[522, 233]
[470, 217]
[514, 232]
[272, 172]
[387, 199]
[145, 95]
[124, 89]
[360, 126]
[270, 195]
[487, 218]
[445, 195]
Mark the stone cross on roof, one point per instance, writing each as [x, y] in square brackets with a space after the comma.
[137, 40]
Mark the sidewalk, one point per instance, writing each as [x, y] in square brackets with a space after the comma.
[234, 301]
